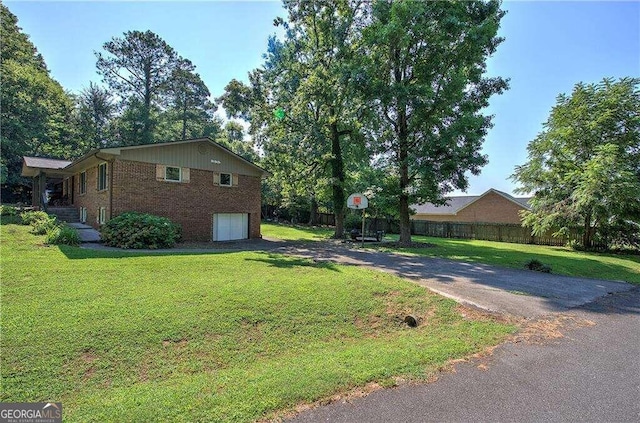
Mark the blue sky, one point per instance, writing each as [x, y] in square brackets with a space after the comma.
[549, 47]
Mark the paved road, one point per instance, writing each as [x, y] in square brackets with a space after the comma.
[592, 374]
[513, 291]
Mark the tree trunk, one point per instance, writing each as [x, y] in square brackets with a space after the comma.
[403, 158]
[586, 237]
[184, 121]
[146, 108]
[337, 179]
[405, 223]
[313, 210]
[402, 132]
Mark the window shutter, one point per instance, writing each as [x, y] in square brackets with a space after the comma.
[186, 177]
[235, 179]
[216, 179]
[160, 169]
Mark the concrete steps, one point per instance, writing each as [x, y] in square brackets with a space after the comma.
[86, 232]
[65, 214]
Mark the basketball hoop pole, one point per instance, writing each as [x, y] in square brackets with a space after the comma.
[363, 210]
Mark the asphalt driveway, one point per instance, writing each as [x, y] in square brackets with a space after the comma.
[517, 292]
[591, 374]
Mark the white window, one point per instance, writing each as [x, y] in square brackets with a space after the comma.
[173, 174]
[83, 214]
[102, 215]
[226, 179]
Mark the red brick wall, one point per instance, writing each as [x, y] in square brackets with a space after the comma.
[92, 199]
[492, 208]
[191, 204]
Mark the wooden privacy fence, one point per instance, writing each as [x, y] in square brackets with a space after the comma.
[502, 232]
[488, 232]
[325, 219]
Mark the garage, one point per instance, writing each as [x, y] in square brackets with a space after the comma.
[230, 226]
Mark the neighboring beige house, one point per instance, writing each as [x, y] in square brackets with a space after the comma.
[213, 193]
[491, 207]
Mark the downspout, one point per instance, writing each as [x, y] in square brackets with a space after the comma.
[111, 189]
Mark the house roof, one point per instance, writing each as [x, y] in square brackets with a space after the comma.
[189, 141]
[455, 204]
[32, 165]
[45, 163]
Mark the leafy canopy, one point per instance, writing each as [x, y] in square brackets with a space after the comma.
[424, 80]
[36, 113]
[584, 167]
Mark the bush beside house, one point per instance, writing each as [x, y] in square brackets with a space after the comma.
[140, 230]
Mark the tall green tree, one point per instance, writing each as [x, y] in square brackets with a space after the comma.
[95, 113]
[584, 167]
[138, 68]
[189, 100]
[36, 113]
[303, 103]
[232, 137]
[424, 78]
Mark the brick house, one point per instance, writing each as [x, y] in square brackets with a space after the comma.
[210, 191]
[491, 207]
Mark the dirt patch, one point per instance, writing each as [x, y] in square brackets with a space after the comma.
[470, 312]
[544, 330]
[88, 357]
[180, 343]
[394, 315]
[348, 396]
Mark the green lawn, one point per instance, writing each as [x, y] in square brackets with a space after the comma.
[209, 337]
[295, 232]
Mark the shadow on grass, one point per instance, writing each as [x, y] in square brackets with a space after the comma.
[10, 220]
[286, 262]
[576, 264]
[77, 253]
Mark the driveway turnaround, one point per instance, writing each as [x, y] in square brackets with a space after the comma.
[517, 292]
[592, 374]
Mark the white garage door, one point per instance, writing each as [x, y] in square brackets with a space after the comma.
[229, 226]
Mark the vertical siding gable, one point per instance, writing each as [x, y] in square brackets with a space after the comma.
[198, 155]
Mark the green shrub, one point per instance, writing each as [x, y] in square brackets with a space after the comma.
[538, 266]
[29, 217]
[140, 230]
[8, 211]
[62, 235]
[43, 224]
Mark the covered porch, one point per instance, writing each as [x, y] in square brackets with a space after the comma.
[52, 185]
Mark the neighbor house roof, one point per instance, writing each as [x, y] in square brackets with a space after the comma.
[455, 204]
[451, 207]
